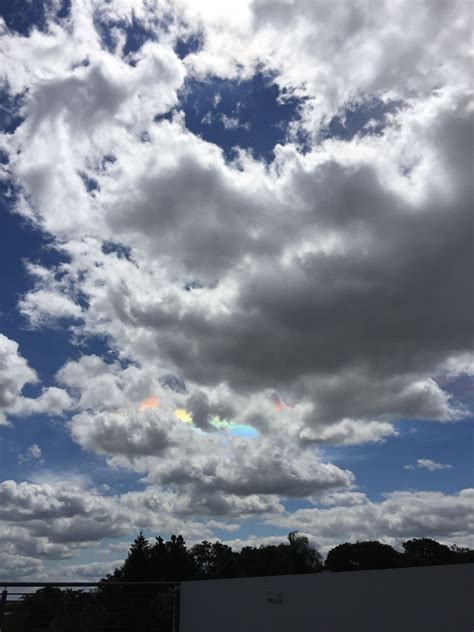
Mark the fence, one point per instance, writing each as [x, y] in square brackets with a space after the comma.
[89, 606]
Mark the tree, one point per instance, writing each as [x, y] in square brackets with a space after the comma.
[159, 560]
[427, 552]
[298, 556]
[180, 563]
[304, 558]
[214, 561]
[137, 566]
[361, 556]
[462, 555]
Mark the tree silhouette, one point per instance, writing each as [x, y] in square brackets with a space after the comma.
[427, 552]
[213, 561]
[180, 562]
[361, 556]
[137, 566]
[304, 558]
[159, 560]
[298, 556]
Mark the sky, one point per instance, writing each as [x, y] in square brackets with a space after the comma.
[236, 254]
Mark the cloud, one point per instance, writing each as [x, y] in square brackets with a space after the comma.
[15, 373]
[350, 432]
[33, 453]
[17, 567]
[92, 571]
[428, 464]
[55, 521]
[335, 53]
[401, 515]
[301, 273]
[176, 455]
[335, 276]
[76, 516]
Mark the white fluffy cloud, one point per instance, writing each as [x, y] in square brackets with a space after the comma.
[34, 453]
[399, 516]
[330, 257]
[428, 464]
[53, 521]
[15, 373]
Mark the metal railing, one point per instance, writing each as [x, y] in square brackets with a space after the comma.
[89, 606]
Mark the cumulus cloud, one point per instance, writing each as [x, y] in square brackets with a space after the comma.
[55, 521]
[15, 373]
[307, 275]
[399, 516]
[34, 453]
[73, 515]
[350, 432]
[177, 455]
[93, 571]
[428, 464]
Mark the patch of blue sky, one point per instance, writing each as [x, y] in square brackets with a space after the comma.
[362, 118]
[48, 348]
[135, 32]
[188, 46]
[60, 457]
[90, 184]
[379, 467]
[10, 117]
[24, 15]
[252, 114]
[20, 242]
[461, 387]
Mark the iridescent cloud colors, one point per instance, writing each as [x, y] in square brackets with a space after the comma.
[236, 429]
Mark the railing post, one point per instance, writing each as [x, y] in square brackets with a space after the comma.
[3, 606]
[176, 608]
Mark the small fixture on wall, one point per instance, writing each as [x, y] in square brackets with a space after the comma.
[274, 596]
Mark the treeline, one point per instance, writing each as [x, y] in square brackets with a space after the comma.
[171, 560]
[148, 608]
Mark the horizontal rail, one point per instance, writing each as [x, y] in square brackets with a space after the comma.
[60, 584]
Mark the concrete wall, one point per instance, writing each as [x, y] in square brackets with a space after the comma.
[431, 599]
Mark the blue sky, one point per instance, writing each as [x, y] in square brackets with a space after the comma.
[234, 296]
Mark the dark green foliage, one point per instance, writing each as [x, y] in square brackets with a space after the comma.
[360, 556]
[137, 565]
[172, 561]
[296, 557]
[363, 556]
[50, 609]
[427, 552]
[304, 558]
[214, 560]
[463, 555]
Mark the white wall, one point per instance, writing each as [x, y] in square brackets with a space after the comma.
[431, 599]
